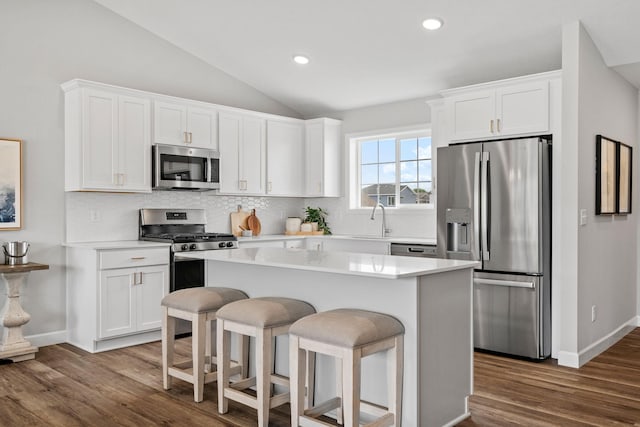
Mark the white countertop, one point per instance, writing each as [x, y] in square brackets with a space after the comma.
[116, 244]
[380, 266]
[390, 239]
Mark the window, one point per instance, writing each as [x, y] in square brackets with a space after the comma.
[394, 170]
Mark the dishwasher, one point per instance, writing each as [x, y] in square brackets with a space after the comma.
[405, 249]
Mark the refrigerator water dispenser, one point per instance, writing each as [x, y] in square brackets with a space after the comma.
[458, 230]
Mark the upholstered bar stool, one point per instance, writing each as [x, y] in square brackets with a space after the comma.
[348, 335]
[262, 318]
[199, 306]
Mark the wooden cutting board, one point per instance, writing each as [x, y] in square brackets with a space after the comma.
[254, 223]
[239, 219]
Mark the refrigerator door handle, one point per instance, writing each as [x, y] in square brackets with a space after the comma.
[510, 283]
[484, 206]
[476, 206]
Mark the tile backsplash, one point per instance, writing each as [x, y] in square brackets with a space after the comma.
[113, 216]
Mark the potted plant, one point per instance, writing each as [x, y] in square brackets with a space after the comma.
[317, 215]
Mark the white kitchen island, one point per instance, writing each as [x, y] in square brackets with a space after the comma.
[431, 297]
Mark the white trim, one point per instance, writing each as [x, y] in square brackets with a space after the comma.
[576, 360]
[49, 338]
[377, 133]
[457, 420]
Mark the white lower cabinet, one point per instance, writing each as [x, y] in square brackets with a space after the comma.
[366, 246]
[114, 295]
[130, 299]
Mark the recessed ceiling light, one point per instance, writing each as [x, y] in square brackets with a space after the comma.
[301, 59]
[432, 23]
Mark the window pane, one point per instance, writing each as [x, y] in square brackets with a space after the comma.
[387, 173]
[369, 195]
[424, 170]
[369, 152]
[387, 150]
[424, 192]
[424, 148]
[369, 174]
[409, 149]
[407, 196]
[408, 171]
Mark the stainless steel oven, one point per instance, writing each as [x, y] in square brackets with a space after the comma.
[185, 168]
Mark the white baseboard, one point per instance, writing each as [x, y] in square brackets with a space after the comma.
[50, 338]
[576, 360]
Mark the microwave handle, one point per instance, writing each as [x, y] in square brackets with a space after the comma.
[209, 177]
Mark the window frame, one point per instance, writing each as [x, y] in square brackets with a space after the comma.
[354, 167]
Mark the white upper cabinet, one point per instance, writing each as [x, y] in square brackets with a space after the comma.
[510, 108]
[285, 148]
[242, 154]
[183, 124]
[322, 158]
[107, 140]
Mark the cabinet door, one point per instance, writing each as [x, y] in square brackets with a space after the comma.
[284, 158]
[134, 144]
[323, 172]
[314, 159]
[152, 285]
[99, 140]
[523, 108]
[169, 123]
[252, 156]
[471, 115]
[229, 134]
[117, 314]
[202, 127]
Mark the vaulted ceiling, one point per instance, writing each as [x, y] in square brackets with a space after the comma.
[369, 52]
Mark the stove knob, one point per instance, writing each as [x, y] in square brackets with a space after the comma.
[221, 245]
[184, 247]
[193, 247]
[229, 244]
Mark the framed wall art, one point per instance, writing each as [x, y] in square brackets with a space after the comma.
[624, 178]
[10, 184]
[606, 176]
[613, 177]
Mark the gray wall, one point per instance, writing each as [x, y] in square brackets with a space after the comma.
[601, 257]
[45, 43]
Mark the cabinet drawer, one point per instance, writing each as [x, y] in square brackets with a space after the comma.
[123, 258]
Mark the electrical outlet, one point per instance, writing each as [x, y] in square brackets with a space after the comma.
[594, 313]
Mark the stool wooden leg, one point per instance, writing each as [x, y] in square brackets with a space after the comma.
[209, 350]
[263, 374]
[310, 378]
[223, 339]
[296, 379]
[198, 339]
[243, 355]
[351, 387]
[168, 343]
[339, 391]
[395, 372]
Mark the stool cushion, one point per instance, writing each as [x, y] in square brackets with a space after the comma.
[202, 299]
[265, 312]
[347, 327]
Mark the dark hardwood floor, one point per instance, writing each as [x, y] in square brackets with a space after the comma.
[65, 386]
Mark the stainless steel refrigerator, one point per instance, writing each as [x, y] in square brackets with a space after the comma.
[494, 206]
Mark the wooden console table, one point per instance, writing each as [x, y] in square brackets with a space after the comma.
[13, 346]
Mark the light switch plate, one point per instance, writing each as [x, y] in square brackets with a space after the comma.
[583, 217]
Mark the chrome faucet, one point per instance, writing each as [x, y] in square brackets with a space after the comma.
[385, 230]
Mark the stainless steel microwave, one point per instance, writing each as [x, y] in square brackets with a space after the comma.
[185, 168]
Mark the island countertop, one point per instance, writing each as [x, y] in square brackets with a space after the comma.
[348, 263]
